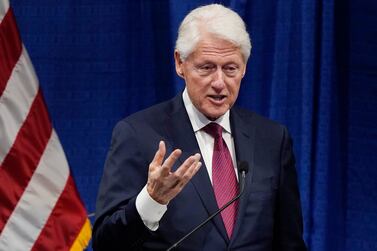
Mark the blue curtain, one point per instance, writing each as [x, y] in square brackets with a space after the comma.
[313, 67]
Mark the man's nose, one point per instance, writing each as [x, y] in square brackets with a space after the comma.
[218, 81]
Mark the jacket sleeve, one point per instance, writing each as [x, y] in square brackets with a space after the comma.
[288, 216]
[118, 225]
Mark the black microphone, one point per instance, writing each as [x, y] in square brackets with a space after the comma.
[243, 168]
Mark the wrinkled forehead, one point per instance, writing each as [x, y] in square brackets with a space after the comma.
[213, 46]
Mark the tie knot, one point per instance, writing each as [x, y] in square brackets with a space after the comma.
[214, 129]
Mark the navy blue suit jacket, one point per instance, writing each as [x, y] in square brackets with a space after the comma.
[269, 216]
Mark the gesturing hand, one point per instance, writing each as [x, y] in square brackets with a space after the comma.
[163, 185]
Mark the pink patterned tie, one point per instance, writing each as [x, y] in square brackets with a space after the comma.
[224, 179]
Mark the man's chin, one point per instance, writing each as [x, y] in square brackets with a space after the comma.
[214, 115]
[212, 118]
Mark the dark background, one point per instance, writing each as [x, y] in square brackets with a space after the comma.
[313, 68]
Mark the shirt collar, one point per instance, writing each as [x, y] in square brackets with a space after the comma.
[198, 120]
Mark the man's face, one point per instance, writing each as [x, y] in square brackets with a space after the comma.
[213, 73]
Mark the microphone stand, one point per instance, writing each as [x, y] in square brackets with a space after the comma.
[242, 186]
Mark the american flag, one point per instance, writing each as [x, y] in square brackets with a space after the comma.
[40, 208]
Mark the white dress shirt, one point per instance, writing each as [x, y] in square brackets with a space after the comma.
[151, 211]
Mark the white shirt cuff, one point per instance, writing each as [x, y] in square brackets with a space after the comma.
[149, 210]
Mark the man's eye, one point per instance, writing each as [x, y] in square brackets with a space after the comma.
[206, 67]
[230, 68]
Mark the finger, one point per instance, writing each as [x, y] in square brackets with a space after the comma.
[194, 168]
[169, 162]
[174, 184]
[180, 181]
[187, 164]
[192, 171]
[159, 155]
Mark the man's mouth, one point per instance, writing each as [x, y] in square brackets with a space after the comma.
[217, 97]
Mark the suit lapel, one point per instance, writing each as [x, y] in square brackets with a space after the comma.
[181, 135]
[243, 134]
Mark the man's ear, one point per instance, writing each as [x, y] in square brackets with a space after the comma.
[178, 64]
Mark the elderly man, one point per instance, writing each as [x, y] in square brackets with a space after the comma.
[149, 199]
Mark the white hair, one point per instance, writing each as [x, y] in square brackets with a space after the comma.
[214, 19]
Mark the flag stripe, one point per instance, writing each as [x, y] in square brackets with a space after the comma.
[4, 6]
[23, 158]
[16, 101]
[10, 47]
[38, 200]
[69, 211]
